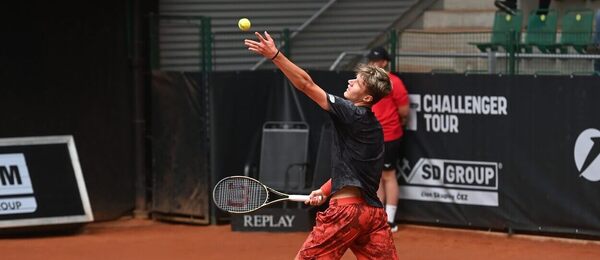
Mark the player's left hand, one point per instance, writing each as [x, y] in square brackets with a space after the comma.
[265, 45]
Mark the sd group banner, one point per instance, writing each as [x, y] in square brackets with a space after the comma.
[517, 153]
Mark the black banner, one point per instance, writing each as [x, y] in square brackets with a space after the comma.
[70, 69]
[497, 152]
[180, 148]
[41, 183]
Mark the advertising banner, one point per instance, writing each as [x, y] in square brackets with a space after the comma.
[41, 183]
[274, 220]
[502, 152]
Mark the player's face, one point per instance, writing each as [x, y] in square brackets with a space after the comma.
[356, 90]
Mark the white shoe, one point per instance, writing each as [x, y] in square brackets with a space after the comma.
[393, 227]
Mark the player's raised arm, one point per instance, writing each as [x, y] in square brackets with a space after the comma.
[265, 46]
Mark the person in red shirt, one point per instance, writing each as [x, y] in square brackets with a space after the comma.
[392, 112]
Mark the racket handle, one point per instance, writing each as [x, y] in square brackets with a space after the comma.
[300, 198]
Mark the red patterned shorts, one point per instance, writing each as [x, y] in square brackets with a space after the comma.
[350, 223]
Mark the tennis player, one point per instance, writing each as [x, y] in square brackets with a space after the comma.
[355, 217]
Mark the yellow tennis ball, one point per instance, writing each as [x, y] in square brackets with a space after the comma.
[244, 24]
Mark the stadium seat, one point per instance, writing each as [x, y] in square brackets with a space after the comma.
[547, 72]
[585, 73]
[595, 47]
[541, 31]
[475, 72]
[577, 25]
[443, 71]
[597, 31]
[504, 25]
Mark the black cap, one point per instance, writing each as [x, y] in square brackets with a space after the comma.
[378, 53]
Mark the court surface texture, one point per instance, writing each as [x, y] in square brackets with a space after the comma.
[147, 239]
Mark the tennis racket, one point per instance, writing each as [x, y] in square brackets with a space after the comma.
[241, 194]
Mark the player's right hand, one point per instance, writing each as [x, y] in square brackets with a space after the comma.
[265, 45]
[316, 198]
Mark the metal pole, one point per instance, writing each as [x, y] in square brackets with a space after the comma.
[287, 44]
[153, 33]
[393, 46]
[511, 50]
[491, 62]
[206, 38]
[337, 60]
[139, 66]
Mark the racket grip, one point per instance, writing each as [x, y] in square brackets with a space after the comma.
[300, 198]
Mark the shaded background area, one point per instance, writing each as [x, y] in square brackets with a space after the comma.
[68, 68]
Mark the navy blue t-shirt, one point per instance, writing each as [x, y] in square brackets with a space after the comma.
[357, 149]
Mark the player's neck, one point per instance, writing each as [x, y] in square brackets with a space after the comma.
[362, 104]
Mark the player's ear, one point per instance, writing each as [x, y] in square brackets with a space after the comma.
[367, 98]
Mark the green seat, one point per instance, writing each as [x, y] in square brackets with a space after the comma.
[585, 73]
[541, 31]
[547, 72]
[577, 28]
[443, 71]
[473, 72]
[504, 25]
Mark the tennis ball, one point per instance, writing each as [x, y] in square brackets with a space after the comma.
[244, 24]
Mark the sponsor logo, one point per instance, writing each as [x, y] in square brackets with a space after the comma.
[440, 113]
[284, 221]
[451, 181]
[14, 180]
[587, 152]
[276, 219]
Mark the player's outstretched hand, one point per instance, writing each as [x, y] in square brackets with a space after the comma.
[265, 45]
[316, 198]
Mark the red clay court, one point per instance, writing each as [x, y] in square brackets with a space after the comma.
[146, 239]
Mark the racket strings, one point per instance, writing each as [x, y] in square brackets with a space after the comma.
[239, 194]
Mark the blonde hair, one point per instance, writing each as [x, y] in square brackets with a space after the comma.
[376, 81]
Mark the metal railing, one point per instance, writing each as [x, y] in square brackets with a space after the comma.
[482, 52]
[285, 43]
[343, 55]
[494, 58]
